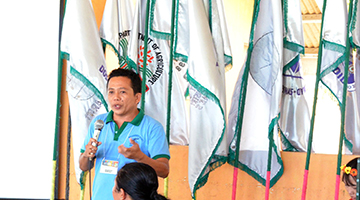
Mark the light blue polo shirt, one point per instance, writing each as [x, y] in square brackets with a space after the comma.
[144, 130]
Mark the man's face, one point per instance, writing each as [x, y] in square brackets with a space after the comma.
[121, 97]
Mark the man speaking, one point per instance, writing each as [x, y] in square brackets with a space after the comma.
[126, 135]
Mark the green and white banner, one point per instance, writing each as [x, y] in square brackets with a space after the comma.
[255, 107]
[208, 148]
[86, 71]
[295, 117]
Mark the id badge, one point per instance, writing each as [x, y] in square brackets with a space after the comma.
[109, 166]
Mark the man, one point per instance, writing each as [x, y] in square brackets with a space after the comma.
[127, 136]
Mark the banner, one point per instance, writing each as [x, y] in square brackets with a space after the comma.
[255, 108]
[86, 71]
[116, 27]
[207, 147]
[157, 78]
[295, 117]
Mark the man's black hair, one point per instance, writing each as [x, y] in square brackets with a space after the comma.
[134, 78]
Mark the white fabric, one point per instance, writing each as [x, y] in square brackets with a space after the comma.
[87, 88]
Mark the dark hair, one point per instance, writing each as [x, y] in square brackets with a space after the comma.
[134, 78]
[346, 177]
[139, 180]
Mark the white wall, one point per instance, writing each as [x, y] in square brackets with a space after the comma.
[28, 81]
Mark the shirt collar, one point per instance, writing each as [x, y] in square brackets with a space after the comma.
[136, 121]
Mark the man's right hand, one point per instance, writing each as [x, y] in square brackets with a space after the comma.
[90, 151]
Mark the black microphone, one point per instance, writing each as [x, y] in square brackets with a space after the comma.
[98, 125]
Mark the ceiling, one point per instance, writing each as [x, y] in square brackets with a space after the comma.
[311, 15]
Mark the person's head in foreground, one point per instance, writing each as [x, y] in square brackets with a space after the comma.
[136, 181]
[349, 177]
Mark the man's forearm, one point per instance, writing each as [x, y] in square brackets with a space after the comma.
[84, 163]
[160, 165]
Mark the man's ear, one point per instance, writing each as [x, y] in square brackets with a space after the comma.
[138, 98]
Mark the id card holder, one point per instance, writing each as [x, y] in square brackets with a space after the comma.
[109, 166]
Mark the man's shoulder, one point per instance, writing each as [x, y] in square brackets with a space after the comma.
[150, 120]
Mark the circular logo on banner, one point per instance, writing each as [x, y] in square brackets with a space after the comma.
[154, 61]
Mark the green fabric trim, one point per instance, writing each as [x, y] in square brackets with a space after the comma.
[161, 156]
[65, 55]
[286, 143]
[111, 45]
[204, 91]
[252, 173]
[271, 139]
[294, 46]
[354, 17]
[334, 46]
[89, 85]
[291, 63]
[331, 92]
[180, 57]
[154, 33]
[348, 144]
[160, 35]
[210, 15]
[228, 60]
[234, 161]
[285, 13]
[220, 160]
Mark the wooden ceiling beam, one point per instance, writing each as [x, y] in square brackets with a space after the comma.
[311, 18]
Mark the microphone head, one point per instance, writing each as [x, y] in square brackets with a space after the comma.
[98, 124]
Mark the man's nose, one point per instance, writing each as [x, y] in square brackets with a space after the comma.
[117, 96]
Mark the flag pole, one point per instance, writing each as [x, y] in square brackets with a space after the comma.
[357, 180]
[271, 144]
[343, 104]
[171, 62]
[233, 197]
[146, 37]
[57, 116]
[242, 98]
[309, 146]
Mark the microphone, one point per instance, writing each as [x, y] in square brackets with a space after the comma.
[98, 125]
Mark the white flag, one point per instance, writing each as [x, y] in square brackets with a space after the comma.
[218, 27]
[333, 46]
[116, 27]
[294, 118]
[333, 67]
[352, 140]
[352, 119]
[207, 146]
[157, 68]
[255, 104]
[86, 70]
[355, 24]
